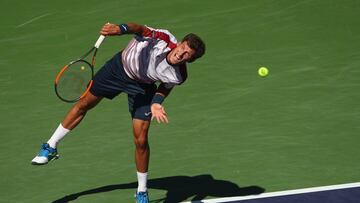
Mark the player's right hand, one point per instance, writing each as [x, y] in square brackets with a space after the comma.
[110, 29]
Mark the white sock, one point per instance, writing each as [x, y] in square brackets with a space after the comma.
[142, 181]
[58, 135]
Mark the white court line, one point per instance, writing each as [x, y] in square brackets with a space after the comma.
[33, 19]
[280, 193]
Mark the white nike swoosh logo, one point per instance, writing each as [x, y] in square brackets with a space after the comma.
[147, 114]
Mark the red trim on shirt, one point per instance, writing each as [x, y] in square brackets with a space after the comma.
[147, 32]
[159, 35]
[172, 45]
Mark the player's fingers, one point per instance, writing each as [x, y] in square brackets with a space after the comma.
[110, 29]
[163, 111]
[163, 118]
[157, 118]
[166, 119]
[104, 31]
[107, 26]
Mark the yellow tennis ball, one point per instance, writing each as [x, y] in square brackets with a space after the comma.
[263, 71]
[82, 68]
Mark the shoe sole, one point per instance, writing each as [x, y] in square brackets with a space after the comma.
[40, 164]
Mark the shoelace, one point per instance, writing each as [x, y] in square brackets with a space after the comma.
[142, 196]
[45, 150]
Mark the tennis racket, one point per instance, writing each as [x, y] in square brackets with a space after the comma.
[75, 79]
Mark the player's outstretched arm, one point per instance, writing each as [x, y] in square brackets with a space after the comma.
[126, 28]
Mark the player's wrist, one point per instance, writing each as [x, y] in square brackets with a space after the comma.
[158, 99]
[124, 28]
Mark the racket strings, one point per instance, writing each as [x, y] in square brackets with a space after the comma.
[74, 81]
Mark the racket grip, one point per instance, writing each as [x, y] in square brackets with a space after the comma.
[99, 41]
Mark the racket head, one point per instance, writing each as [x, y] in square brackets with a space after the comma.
[74, 81]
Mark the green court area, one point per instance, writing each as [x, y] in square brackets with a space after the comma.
[231, 132]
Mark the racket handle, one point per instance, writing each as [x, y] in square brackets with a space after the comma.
[99, 41]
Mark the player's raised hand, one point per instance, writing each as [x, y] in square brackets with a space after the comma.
[110, 29]
[158, 112]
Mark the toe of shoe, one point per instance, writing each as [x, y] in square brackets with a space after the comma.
[39, 160]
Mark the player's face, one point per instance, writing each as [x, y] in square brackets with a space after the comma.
[181, 54]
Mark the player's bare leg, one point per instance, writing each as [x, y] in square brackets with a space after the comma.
[142, 155]
[48, 150]
[142, 149]
[78, 111]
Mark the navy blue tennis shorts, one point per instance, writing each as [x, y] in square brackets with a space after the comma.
[111, 80]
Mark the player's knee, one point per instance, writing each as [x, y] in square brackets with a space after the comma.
[82, 107]
[141, 142]
[85, 104]
[141, 128]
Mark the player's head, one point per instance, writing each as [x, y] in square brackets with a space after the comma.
[196, 44]
[189, 49]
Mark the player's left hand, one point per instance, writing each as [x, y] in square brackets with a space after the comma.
[158, 112]
[110, 29]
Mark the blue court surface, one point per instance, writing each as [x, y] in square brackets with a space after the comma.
[345, 193]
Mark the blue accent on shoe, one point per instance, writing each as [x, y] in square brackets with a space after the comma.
[142, 197]
[48, 152]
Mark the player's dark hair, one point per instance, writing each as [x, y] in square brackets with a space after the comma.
[195, 43]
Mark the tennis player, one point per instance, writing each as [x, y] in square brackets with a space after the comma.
[146, 70]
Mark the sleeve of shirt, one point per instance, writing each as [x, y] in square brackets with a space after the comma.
[165, 88]
[161, 34]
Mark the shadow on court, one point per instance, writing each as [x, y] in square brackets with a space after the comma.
[179, 188]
